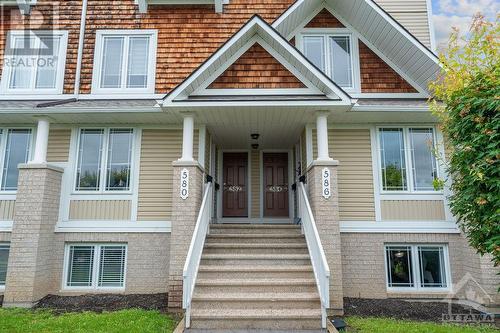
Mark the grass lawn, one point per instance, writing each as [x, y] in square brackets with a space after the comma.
[21, 320]
[384, 325]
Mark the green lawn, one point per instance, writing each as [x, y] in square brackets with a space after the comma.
[20, 320]
[384, 325]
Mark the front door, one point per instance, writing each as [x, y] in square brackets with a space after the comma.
[235, 198]
[276, 185]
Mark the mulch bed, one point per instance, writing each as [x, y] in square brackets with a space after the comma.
[401, 309]
[103, 302]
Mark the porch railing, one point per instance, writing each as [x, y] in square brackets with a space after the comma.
[318, 258]
[193, 258]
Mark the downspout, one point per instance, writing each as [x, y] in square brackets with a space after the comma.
[81, 41]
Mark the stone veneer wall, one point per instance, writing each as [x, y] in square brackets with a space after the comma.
[363, 265]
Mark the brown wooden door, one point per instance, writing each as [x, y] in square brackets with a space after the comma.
[276, 185]
[235, 197]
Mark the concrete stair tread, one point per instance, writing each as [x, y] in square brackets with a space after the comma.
[255, 282]
[265, 296]
[255, 268]
[256, 314]
[279, 236]
[254, 226]
[255, 245]
[270, 256]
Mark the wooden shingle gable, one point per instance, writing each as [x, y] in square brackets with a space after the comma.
[257, 61]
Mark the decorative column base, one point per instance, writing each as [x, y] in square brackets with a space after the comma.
[325, 208]
[30, 269]
[184, 215]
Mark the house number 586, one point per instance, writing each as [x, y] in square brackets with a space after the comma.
[184, 184]
[325, 179]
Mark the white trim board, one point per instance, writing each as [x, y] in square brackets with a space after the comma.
[114, 227]
[403, 227]
[6, 226]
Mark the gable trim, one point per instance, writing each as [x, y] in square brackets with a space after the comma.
[259, 26]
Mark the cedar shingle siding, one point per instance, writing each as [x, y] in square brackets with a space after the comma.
[256, 69]
[324, 19]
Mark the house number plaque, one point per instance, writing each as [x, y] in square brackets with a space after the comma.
[184, 184]
[325, 179]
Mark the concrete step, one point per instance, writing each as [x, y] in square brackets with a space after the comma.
[258, 248]
[255, 259]
[280, 229]
[283, 319]
[256, 271]
[253, 285]
[250, 301]
[197, 330]
[255, 238]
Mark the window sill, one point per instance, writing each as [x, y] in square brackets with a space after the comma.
[411, 196]
[404, 227]
[420, 291]
[117, 290]
[114, 226]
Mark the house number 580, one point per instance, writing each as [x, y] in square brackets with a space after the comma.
[184, 184]
[325, 179]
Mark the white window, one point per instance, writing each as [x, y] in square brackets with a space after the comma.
[104, 161]
[334, 53]
[95, 266]
[407, 159]
[417, 267]
[4, 257]
[34, 62]
[15, 149]
[125, 61]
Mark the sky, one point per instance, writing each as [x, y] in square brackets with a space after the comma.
[458, 13]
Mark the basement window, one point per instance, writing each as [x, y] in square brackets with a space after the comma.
[95, 266]
[34, 62]
[333, 53]
[4, 257]
[125, 61]
[417, 267]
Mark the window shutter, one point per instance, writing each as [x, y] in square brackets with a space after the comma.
[112, 266]
[81, 262]
[4, 256]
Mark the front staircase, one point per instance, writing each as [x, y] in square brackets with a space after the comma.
[255, 277]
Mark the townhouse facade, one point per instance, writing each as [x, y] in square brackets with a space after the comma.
[216, 149]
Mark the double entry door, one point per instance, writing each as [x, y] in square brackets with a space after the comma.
[275, 196]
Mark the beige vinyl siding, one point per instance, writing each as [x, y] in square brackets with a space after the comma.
[207, 153]
[100, 210]
[412, 210]
[303, 153]
[352, 148]
[58, 145]
[7, 210]
[255, 186]
[160, 147]
[412, 14]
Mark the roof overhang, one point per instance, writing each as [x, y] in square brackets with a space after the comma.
[321, 90]
[377, 29]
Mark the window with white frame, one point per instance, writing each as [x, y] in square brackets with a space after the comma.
[407, 159]
[34, 62]
[15, 145]
[334, 54]
[125, 61]
[420, 267]
[104, 161]
[95, 266]
[4, 257]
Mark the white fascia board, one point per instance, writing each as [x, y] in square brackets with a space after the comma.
[255, 25]
[390, 108]
[306, 103]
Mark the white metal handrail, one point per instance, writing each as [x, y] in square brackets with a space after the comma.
[318, 258]
[193, 258]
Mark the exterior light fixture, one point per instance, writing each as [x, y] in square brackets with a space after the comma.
[255, 136]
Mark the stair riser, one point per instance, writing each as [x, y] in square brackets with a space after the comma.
[281, 232]
[222, 289]
[231, 250]
[259, 275]
[266, 262]
[249, 305]
[255, 240]
[274, 324]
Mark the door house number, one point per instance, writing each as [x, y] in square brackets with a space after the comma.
[184, 184]
[325, 179]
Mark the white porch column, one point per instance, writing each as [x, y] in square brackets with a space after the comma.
[42, 139]
[322, 136]
[187, 137]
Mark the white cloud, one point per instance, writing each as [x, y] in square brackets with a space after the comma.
[488, 8]
[444, 24]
